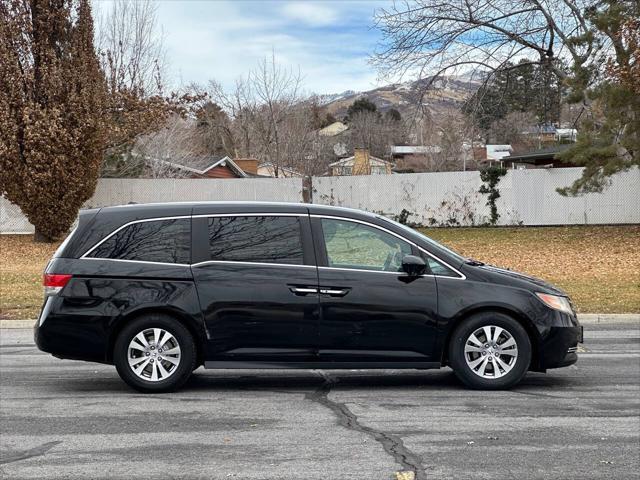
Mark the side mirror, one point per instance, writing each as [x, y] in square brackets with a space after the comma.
[413, 266]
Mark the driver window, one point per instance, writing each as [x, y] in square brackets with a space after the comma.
[358, 246]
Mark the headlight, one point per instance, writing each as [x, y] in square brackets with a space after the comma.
[557, 303]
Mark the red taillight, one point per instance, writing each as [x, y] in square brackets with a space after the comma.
[54, 282]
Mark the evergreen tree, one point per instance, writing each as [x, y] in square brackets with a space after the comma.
[51, 105]
[611, 143]
[361, 105]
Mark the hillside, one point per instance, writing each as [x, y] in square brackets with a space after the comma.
[446, 93]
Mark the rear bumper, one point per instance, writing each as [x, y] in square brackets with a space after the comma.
[559, 347]
[71, 337]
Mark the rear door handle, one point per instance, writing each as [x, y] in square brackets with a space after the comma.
[303, 290]
[334, 292]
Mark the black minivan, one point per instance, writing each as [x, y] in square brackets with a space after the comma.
[161, 289]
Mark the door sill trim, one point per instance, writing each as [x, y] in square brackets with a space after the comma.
[326, 365]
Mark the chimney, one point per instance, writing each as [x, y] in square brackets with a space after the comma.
[361, 163]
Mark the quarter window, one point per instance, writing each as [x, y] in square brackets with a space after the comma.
[358, 246]
[439, 269]
[166, 241]
[256, 239]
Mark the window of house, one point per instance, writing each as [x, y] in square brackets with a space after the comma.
[378, 170]
[166, 241]
[358, 246]
[256, 239]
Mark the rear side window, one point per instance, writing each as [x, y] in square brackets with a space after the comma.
[256, 239]
[166, 241]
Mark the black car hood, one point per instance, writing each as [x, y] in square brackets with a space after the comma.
[516, 279]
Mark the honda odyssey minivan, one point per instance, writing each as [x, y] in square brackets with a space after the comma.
[161, 289]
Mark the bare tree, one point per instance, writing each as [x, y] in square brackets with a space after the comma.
[131, 47]
[432, 36]
[277, 91]
[157, 153]
[375, 132]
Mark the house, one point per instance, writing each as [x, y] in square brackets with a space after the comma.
[409, 152]
[268, 169]
[201, 167]
[566, 135]
[361, 163]
[542, 158]
[248, 165]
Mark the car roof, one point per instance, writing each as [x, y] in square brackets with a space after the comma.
[151, 210]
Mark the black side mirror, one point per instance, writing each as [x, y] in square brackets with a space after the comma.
[414, 266]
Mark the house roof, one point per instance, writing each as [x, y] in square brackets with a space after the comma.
[414, 149]
[372, 160]
[202, 164]
[498, 152]
[532, 156]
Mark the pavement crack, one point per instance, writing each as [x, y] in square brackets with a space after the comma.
[392, 444]
[8, 457]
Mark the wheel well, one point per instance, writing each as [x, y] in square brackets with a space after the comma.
[521, 319]
[122, 322]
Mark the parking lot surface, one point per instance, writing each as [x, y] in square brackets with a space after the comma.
[65, 419]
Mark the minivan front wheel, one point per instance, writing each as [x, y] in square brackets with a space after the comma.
[155, 353]
[490, 350]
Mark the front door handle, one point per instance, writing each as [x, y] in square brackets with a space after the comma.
[303, 290]
[334, 292]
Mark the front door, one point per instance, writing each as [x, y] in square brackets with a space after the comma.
[371, 311]
[258, 288]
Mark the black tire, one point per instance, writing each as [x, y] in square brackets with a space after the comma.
[187, 359]
[457, 356]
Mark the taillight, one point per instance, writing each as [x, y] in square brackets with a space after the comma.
[54, 282]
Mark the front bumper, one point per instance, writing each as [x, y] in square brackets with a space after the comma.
[560, 345]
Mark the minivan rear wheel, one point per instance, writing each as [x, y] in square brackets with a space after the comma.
[155, 353]
[490, 351]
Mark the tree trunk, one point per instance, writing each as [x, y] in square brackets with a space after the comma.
[39, 237]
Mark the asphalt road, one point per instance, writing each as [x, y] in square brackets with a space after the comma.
[64, 419]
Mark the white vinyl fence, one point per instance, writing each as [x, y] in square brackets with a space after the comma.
[120, 191]
[528, 197]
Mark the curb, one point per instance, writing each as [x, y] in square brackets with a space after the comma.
[584, 318]
[17, 323]
[601, 318]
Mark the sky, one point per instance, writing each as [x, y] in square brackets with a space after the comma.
[329, 41]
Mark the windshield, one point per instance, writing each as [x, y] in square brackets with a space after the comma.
[428, 240]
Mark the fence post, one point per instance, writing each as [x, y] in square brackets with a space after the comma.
[307, 189]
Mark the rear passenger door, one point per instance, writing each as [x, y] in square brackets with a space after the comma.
[257, 281]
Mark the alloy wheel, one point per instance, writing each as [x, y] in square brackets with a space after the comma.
[154, 354]
[491, 352]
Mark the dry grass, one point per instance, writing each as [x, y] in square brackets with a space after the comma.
[21, 265]
[598, 266]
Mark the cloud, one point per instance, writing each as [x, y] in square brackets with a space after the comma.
[330, 42]
[312, 14]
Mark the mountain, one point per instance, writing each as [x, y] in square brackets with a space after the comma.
[445, 93]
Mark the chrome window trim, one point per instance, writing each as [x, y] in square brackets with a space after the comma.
[137, 261]
[265, 264]
[373, 225]
[257, 214]
[144, 220]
